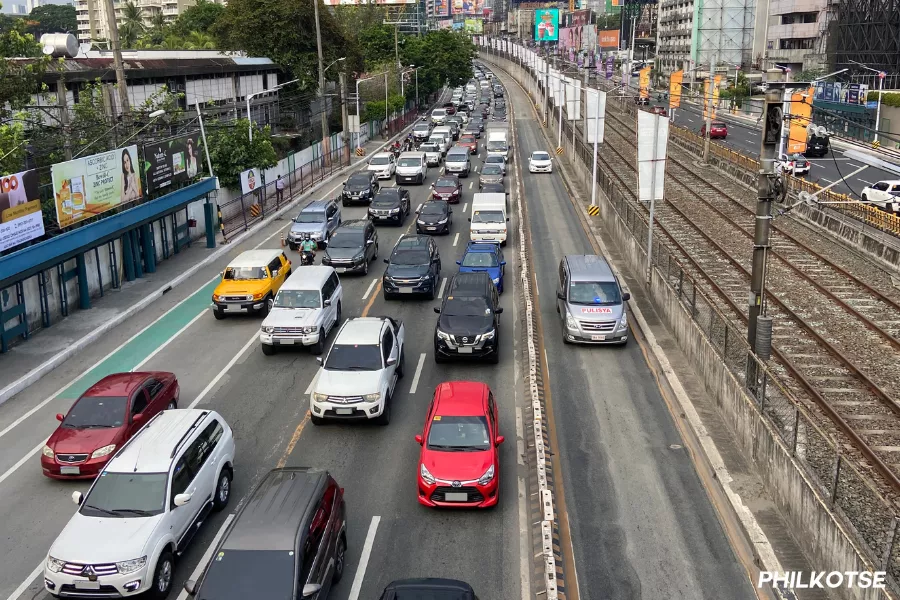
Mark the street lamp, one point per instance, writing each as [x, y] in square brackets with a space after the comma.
[359, 81]
[153, 117]
[253, 95]
[881, 75]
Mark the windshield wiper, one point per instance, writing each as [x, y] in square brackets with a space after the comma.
[329, 368]
[103, 510]
[135, 511]
[447, 448]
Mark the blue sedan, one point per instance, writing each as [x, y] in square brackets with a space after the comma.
[481, 256]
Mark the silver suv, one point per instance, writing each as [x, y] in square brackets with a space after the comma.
[319, 218]
[590, 301]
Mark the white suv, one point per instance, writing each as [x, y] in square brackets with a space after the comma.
[144, 508]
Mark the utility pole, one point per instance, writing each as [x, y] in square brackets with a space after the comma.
[326, 135]
[64, 116]
[708, 104]
[117, 58]
[345, 135]
[386, 119]
[397, 45]
[773, 115]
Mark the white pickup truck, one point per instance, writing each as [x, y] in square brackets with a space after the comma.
[360, 373]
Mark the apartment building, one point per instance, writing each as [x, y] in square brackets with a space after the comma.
[92, 18]
[796, 33]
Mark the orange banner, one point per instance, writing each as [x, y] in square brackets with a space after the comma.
[608, 38]
[644, 82]
[801, 111]
[675, 89]
[711, 98]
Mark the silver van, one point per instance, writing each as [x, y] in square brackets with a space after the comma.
[590, 301]
[457, 161]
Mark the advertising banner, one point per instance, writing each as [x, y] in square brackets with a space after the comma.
[610, 66]
[653, 136]
[609, 38]
[92, 185]
[169, 163]
[468, 7]
[614, 7]
[675, 81]
[573, 98]
[441, 9]
[474, 26]
[711, 98]
[579, 18]
[251, 180]
[565, 38]
[644, 82]
[595, 115]
[801, 111]
[546, 25]
[842, 92]
[589, 38]
[21, 219]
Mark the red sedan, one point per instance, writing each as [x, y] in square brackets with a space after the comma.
[450, 108]
[459, 465]
[717, 130]
[103, 419]
[447, 187]
[469, 142]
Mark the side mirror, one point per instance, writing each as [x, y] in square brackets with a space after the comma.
[181, 499]
[499, 310]
[327, 302]
[387, 262]
[419, 439]
[626, 297]
[138, 418]
[507, 219]
[459, 262]
[77, 498]
[190, 586]
[275, 273]
[502, 263]
[499, 440]
[60, 416]
[560, 295]
[320, 360]
[391, 361]
[437, 309]
[370, 242]
[311, 589]
[470, 219]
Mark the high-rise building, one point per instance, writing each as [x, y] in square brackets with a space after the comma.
[92, 21]
[795, 34]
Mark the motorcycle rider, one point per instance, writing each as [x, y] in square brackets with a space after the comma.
[308, 249]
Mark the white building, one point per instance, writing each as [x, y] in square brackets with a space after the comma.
[92, 20]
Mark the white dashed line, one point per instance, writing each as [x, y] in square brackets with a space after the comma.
[850, 164]
[818, 165]
[370, 288]
[827, 180]
[456, 239]
[470, 184]
[364, 559]
[415, 381]
[441, 289]
[864, 181]
[465, 206]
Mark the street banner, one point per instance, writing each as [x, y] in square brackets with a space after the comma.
[710, 98]
[21, 219]
[595, 116]
[251, 181]
[556, 84]
[644, 82]
[801, 111]
[653, 136]
[546, 25]
[573, 98]
[675, 81]
[172, 162]
[89, 186]
[610, 66]
[609, 38]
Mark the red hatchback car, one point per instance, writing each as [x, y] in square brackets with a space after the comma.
[103, 419]
[717, 130]
[459, 465]
[469, 142]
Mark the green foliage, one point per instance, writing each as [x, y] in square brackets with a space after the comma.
[19, 79]
[375, 108]
[132, 26]
[52, 18]
[232, 152]
[199, 17]
[809, 74]
[12, 144]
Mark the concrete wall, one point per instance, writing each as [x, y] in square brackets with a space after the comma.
[822, 536]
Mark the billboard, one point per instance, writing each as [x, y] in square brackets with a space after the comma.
[546, 25]
[172, 162]
[474, 26]
[613, 7]
[675, 89]
[842, 92]
[567, 37]
[711, 97]
[21, 219]
[363, 2]
[92, 185]
[441, 8]
[579, 18]
[468, 7]
[251, 181]
[644, 82]
[608, 38]
[801, 111]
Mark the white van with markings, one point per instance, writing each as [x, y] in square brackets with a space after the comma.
[489, 218]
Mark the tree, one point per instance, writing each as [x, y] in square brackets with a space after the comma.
[52, 18]
[808, 74]
[199, 17]
[19, 80]
[232, 152]
[132, 26]
[197, 40]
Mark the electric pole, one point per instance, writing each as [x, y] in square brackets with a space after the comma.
[326, 135]
[117, 58]
[708, 104]
[345, 134]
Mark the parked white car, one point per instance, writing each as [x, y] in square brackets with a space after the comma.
[795, 164]
[144, 509]
[540, 162]
[884, 194]
[360, 373]
[383, 164]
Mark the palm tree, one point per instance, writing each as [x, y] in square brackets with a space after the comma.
[197, 40]
[172, 42]
[132, 25]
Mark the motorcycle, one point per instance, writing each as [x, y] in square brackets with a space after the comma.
[307, 258]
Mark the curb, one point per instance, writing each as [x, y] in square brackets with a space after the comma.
[60, 357]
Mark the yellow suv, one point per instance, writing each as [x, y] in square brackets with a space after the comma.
[250, 282]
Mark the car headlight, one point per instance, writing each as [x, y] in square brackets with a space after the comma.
[267, 329]
[624, 322]
[258, 296]
[316, 235]
[104, 451]
[427, 477]
[54, 565]
[487, 477]
[48, 451]
[496, 280]
[320, 397]
[216, 298]
[571, 323]
[489, 335]
[311, 329]
[394, 210]
[420, 221]
[130, 566]
[443, 336]
[442, 221]
[372, 397]
[455, 193]
[358, 257]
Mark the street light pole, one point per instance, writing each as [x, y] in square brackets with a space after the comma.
[324, 113]
[881, 76]
[253, 95]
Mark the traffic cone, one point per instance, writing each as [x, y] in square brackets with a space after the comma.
[282, 239]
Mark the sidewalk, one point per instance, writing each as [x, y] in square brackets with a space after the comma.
[28, 360]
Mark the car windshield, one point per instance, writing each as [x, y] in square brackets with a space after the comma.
[310, 217]
[245, 273]
[491, 169]
[488, 216]
[298, 299]
[346, 240]
[480, 259]
[410, 257]
[798, 157]
[465, 307]
[126, 495]
[496, 145]
[458, 434]
[467, 139]
[384, 200]
[433, 208]
[91, 411]
[540, 156]
[493, 188]
[359, 180]
[226, 577]
[380, 160]
[428, 147]
[438, 112]
[445, 183]
[409, 162]
[722, 125]
[354, 357]
[594, 292]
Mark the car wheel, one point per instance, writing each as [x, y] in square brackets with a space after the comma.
[267, 306]
[319, 347]
[388, 296]
[292, 246]
[864, 198]
[339, 557]
[317, 421]
[223, 490]
[385, 417]
[366, 267]
[162, 576]
[337, 319]
[375, 256]
[220, 314]
[344, 202]
[268, 350]
[495, 357]
[562, 325]
[172, 405]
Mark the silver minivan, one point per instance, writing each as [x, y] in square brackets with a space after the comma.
[457, 161]
[590, 301]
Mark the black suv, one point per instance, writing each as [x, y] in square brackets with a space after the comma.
[352, 246]
[390, 205]
[434, 216]
[413, 268]
[291, 535]
[428, 588]
[498, 91]
[360, 188]
[469, 321]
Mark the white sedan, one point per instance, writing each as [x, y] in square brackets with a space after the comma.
[383, 165]
[540, 162]
[795, 164]
[884, 194]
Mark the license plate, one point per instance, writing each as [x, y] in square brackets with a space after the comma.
[341, 269]
[70, 470]
[90, 585]
[598, 338]
[406, 290]
[431, 228]
[344, 411]
[465, 350]
[286, 342]
[456, 497]
[233, 308]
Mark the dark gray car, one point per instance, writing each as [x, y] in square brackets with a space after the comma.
[352, 247]
[490, 173]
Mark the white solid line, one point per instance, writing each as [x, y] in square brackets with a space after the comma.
[441, 289]
[827, 180]
[370, 288]
[312, 383]
[207, 556]
[24, 585]
[850, 164]
[456, 239]
[415, 383]
[864, 181]
[465, 206]
[818, 165]
[524, 543]
[138, 366]
[470, 184]
[21, 462]
[224, 371]
[364, 558]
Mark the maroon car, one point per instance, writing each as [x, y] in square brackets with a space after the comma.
[717, 130]
[447, 187]
[659, 110]
[450, 108]
[103, 419]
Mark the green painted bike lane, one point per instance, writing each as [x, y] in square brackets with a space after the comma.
[131, 354]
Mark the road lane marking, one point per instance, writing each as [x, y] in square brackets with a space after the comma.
[850, 164]
[371, 301]
[224, 371]
[415, 381]
[869, 183]
[207, 556]
[363, 559]
[465, 206]
[818, 165]
[470, 184]
[441, 290]
[294, 438]
[21, 462]
[827, 180]
[537, 290]
[456, 239]
[369, 289]
[24, 585]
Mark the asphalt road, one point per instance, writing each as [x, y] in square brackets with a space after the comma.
[265, 399]
[642, 526]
